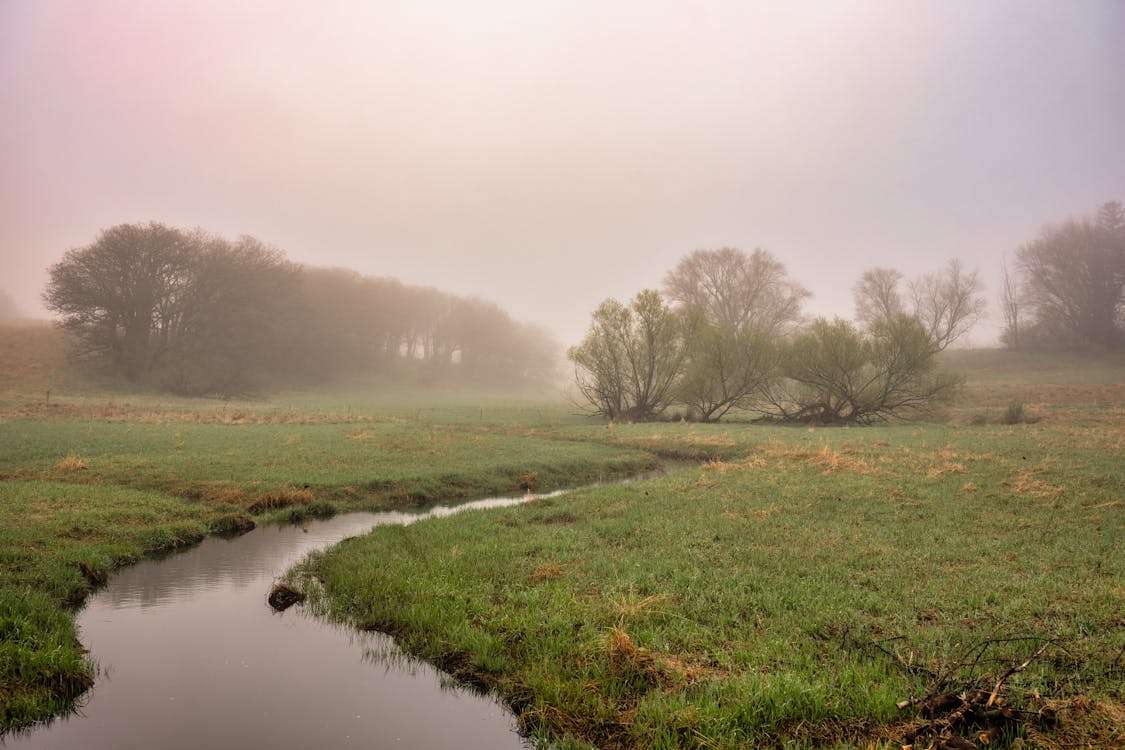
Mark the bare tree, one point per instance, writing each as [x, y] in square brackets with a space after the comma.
[947, 303]
[1074, 275]
[736, 290]
[1010, 307]
[877, 296]
[629, 365]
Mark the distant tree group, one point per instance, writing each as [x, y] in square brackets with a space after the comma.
[1069, 286]
[199, 314]
[728, 333]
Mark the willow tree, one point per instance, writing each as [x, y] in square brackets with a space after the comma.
[836, 373]
[740, 304]
[630, 363]
[725, 369]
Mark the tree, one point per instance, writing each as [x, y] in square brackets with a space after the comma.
[836, 373]
[725, 369]
[737, 291]
[199, 314]
[1074, 274]
[736, 304]
[629, 365]
[121, 297]
[237, 316]
[876, 295]
[946, 303]
[1011, 308]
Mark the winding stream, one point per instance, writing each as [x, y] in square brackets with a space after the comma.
[191, 656]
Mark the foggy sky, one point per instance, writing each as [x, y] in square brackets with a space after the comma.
[546, 155]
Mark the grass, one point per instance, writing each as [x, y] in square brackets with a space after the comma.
[744, 602]
[58, 541]
[267, 466]
[768, 593]
[80, 497]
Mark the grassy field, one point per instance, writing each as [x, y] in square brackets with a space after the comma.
[749, 601]
[784, 586]
[262, 466]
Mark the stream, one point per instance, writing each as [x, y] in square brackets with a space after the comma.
[191, 656]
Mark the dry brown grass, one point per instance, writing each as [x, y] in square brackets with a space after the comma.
[1082, 723]
[630, 606]
[668, 670]
[111, 411]
[1027, 483]
[72, 463]
[546, 572]
[999, 395]
[281, 498]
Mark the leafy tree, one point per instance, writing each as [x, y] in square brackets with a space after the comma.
[121, 298]
[202, 315]
[725, 369]
[630, 363]
[836, 373]
[237, 316]
[737, 304]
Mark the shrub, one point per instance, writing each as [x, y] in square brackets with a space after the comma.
[1014, 414]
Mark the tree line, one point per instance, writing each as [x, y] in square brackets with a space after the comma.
[727, 332]
[1066, 289]
[199, 314]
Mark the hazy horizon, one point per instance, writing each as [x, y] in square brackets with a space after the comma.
[548, 157]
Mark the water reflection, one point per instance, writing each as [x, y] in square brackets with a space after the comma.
[192, 656]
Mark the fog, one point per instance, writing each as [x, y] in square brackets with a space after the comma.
[548, 155]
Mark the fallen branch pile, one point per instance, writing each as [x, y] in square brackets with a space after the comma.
[967, 703]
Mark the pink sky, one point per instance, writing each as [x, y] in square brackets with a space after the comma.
[548, 155]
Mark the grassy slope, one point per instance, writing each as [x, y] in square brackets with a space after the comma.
[740, 580]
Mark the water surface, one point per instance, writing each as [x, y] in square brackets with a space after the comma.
[192, 657]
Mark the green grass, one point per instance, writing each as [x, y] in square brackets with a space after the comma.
[56, 541]
[368, 465]
[756, 586]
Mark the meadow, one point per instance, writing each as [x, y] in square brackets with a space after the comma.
[775, 586]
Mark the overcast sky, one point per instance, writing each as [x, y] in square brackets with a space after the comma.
[547, 155]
